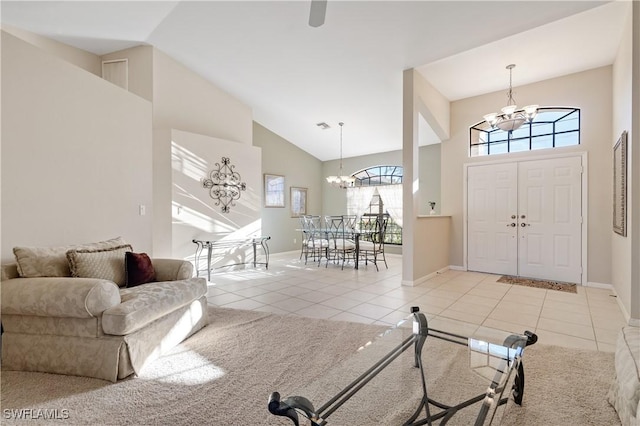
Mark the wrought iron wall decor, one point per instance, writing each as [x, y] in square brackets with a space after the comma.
[224, 185]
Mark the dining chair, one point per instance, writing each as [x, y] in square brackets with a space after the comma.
[341, 244]
[371, 244]
[306, 232]
[350, 221]
[317, 243]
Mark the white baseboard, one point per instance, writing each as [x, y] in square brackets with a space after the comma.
[625, 314]
[457, 268]
[425, 278]
[631, 321]
[599, 285]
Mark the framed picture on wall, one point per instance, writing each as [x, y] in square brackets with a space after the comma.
[620, 185]
[298, 201]
[273, 190]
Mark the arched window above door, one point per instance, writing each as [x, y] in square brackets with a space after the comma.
[552, 127]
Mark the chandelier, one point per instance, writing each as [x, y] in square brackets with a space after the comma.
[341, 181]
[512, 117]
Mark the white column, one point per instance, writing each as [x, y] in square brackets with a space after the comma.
[410, 179]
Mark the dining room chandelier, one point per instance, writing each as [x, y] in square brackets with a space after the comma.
[512, 117]
[341, 180]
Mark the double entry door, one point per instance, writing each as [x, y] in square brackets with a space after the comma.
[525, 218]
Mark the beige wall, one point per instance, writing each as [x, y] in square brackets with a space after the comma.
[76, 154]
[591, 92]
[634, 166]
[433, 106]
[625, 252]
[185, 101]
[429, 175]
[303, 170]
[621, 246]
[81, 58]
[419, 99]
[335, 201]
[431, 252]
[140, 72]
[300, 169]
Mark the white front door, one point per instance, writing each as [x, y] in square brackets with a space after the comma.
[526, 219]
[492, 227]
[550, 219]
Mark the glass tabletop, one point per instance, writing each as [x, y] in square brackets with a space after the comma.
[424, 370]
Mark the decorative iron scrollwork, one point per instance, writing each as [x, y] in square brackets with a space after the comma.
[224, 185]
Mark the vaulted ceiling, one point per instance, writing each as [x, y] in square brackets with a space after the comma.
[349, 69]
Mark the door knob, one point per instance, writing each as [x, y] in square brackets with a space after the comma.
[525, 224]
[513, 216]
[513, 225]
[522, 217]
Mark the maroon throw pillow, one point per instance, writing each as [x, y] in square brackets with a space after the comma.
[138, 269]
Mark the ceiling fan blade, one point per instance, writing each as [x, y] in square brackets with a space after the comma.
[317, 13]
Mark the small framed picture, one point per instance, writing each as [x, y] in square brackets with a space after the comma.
[298, 201]
[273, 190]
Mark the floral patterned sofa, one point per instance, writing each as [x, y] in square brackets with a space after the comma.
[624, 393]
[75, 310]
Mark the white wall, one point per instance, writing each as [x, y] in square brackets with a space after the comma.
[195, 214]
[181, 100]
[76, 154]
[410, 156]
[591, 92]
[185, 101]
[419, 98]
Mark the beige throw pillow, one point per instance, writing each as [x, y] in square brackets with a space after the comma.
[106, 264]
[36, 262]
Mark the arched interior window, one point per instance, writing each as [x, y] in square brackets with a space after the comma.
[552, 127]
[379, 175]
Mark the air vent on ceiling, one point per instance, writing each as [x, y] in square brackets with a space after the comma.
[323, 125]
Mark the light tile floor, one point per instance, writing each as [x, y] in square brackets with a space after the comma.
[463, 301]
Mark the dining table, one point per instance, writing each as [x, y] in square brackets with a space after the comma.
[350, 234]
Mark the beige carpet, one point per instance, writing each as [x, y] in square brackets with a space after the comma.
[224, 374]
